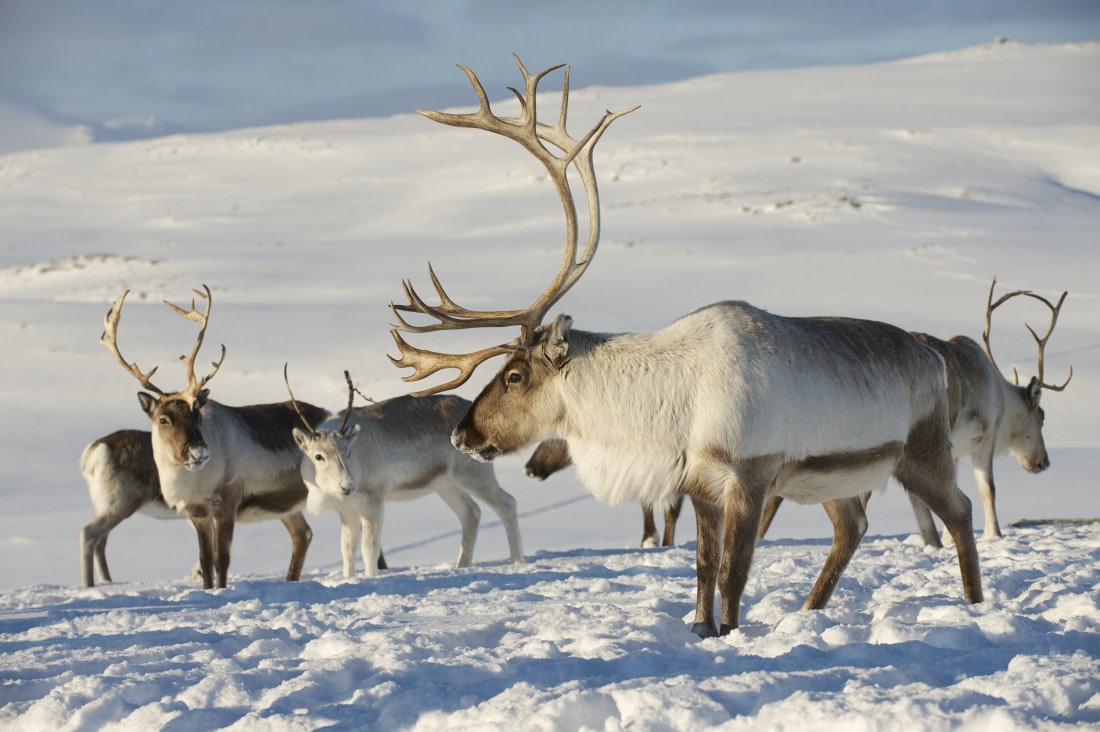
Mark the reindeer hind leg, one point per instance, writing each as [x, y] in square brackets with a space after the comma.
[849, 526]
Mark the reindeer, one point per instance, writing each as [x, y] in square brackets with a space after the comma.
[122, 480]
[728, 405]
[219, 464]
[553, 455]
[989, 416]
[396, 450]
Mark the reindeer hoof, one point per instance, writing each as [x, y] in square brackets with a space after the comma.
[725, 629]
[704, 630]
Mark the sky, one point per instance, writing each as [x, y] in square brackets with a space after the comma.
[126, 69]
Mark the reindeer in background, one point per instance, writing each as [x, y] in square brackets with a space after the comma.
[728, 405]
[218, 464]
[396, 450]
[989, 415]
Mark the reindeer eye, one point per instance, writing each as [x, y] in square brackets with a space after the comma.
[164, 421]
[515, 377]
[319, 458]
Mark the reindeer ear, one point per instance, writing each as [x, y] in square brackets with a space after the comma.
[200, 400]
[300, 438]
[1034, 392]
[148, 403]
[351, 433]
[555, 348]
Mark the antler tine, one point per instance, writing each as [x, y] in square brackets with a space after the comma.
[109, 340]
[195, 385]
[426, 363]
[294, 403]
[1042, 342]
[531, 134]
[351, 398]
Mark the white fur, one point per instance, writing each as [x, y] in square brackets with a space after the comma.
[398, 450]
[743, 390]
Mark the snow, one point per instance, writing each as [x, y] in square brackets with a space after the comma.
[894, 191]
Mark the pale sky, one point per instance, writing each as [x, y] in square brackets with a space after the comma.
[131, 68]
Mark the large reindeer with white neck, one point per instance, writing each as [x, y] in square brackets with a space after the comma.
[728, 405]
[990, 416]
[553, 455]
[219, 464]
[397, 450]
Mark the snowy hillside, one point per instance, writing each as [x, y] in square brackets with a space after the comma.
[892, 191]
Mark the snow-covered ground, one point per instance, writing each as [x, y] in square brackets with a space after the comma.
[894, 191]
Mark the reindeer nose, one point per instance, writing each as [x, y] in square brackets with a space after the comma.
[1041, 465]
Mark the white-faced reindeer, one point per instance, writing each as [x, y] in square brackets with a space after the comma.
[989, 415]
[397, 450]
[219, 464]
[553, 455]
[728, 405]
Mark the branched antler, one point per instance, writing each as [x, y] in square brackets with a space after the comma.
[1040, 342]
[109, 339]
[531, 134]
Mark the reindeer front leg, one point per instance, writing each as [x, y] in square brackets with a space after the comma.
[371, 522]
[223, 537]
[987, 492]
[350, 536]
[707, 553]
[204, 528]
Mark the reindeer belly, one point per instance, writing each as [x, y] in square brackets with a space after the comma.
[158, 510]
[842, 475]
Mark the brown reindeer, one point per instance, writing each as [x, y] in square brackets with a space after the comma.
[219, 464]
[728, 405]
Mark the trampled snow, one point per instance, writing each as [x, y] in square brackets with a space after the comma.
[891, 191]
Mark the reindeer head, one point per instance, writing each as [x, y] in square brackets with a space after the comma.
[515, 408]
[1022, 430]
[327, 461]
[176, 416]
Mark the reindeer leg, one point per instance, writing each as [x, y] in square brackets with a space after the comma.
[707, 553]
[381, 560]
[849, 526]
[927, 525]
[223, 538]
[93, 546]
[649, 527]
[469, 516]
[742, 521]
[350, 536]
[300, 537]
[672, 515]
[770, 507]
[987, 491]
[486, 488]
[204, 527]
[370, 519]
[929, 473]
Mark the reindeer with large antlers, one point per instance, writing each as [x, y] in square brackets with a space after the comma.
[219, 464]
[397, 450]
[728, 405]
[989, 415]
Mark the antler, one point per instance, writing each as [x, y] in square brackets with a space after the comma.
[351, 398]
[194, 385]
[294, 403]
[531, 134]
[1040, 342]
[109, 339]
